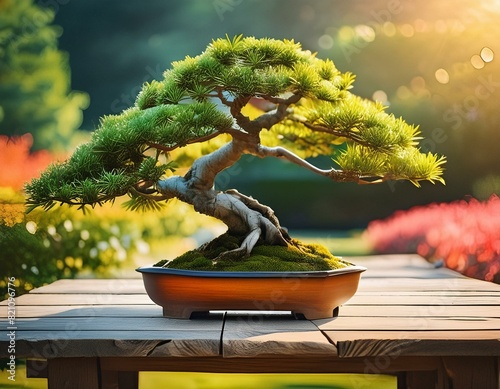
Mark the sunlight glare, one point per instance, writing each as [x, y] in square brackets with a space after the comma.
[325, 42]
[389, 29]
[407, 30]
[487, 54]
[440, 26]
[346, 34]
[477, 61]
[417, 83]
[365, 32]
[442, 76]
[380, 96]
[403, 92]
[420, 25]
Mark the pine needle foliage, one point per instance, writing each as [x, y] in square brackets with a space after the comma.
[206, 97]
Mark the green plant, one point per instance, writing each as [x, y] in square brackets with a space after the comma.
[205, 100]
[44, 246]
[35, 93]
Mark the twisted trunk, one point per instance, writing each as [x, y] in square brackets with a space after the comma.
[243, 215]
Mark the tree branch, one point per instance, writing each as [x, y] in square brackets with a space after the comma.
[280, 152]
[331, 131]
[278, 100]
[221, 97]
[149, 195]
[231, 131]
[333, 174]
[236, 107]
[269, 119]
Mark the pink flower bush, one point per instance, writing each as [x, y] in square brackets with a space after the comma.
[465, 235]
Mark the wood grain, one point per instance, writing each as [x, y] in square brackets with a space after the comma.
[93, 286]
[418, 343]
[261, 334]
[407, 316]
[436, 311]
[74, 373]
[123, 344]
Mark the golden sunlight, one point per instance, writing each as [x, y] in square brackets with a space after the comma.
[442, 76]
[487, 54]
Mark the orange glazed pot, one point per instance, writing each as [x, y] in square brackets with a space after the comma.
[315, 294]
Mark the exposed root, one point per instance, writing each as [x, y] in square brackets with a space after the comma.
[259, 219]
[264, 210]
[297, 256]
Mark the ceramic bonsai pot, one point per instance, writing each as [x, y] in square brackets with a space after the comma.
[315, 295]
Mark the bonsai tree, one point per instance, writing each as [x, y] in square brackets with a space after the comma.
[306, 110]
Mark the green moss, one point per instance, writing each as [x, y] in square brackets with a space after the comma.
[297, 256]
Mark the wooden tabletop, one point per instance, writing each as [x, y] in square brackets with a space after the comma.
[405, 310]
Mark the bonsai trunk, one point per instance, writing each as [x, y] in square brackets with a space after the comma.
[243, 215]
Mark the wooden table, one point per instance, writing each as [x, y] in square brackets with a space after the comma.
[429, 326]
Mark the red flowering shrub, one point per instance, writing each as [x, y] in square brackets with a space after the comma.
[465, 235]
[18, 164]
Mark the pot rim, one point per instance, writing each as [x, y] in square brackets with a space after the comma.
[250, 274]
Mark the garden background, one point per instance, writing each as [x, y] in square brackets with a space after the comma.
[66, 63]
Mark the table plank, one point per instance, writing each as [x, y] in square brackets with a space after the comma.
[93, 286]
[405, 312]
[394, 343]
[81, 299]
[94, 323]
[261, 334]
[402, 265]
[422, 300]
[402, 284]
[91, 334]
[409, 323]
[49, 344]
[129, 310]
[388, 311]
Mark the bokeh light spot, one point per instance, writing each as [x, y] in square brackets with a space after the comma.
[68, 225]
[457, 28]
[417, 83]
[380, 96]
[407, 30]
[325, 42]
[365, 32]
[346, 34]
[477, 61]
[403, 92]
[389, 29]
[31, 227]
[440, 26]
[487, 54]
[442, 76]
[420, 25]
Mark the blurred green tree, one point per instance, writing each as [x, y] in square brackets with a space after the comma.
[35, 93]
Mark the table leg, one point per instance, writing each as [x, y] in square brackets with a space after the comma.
[418, 380]
[119, 379]
[73, 373]
[472, 372]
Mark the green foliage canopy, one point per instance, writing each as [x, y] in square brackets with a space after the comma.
[207, 96]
